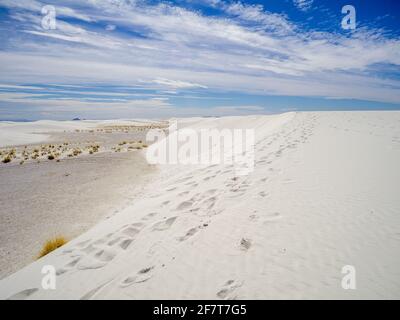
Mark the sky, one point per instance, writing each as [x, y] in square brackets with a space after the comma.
[107, 59]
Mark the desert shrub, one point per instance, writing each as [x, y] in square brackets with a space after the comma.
[7, 159]
[51, 245]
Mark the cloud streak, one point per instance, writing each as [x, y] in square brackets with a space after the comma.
[303, 5]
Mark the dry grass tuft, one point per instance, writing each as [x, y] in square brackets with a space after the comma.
[7, 159]
[52, 245]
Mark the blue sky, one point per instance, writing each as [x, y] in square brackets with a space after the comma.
[153, 59]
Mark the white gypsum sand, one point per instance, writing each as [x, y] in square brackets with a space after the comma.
[323, 195]
[23, 133]
[41, 198]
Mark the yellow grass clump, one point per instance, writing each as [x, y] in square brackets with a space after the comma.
[7, 159]
[52, 245]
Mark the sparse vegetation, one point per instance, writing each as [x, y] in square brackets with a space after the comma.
[94, 148]
[63, 149]
[52, 245]
[7, 159]
[9, 156]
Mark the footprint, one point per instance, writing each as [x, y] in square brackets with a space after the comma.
[152, 214]
[253, 217]
[100, 241]
[142, 276]
[164, 224]
[114, 241]
[68, 266]
[124, 244]
[262, 194]
[89, 249]
[208, 178]
[210, 192]
[93, 292]
[130, 231]
[184, 205]
[188, 234]
[23, 294]
[209, 203]
[89, 263]
[191, 183]
[183, 179]
[227, 291]
[245, 244]
[105, 255]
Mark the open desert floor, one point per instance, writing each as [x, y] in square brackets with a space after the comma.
[324, 194]
[97, 169]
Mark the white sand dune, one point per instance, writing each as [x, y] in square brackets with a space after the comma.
[19, 133]
[324, 194]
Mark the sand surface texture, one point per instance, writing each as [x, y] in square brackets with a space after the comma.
[324, 194]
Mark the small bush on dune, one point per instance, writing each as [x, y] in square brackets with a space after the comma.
[7, 159]
[52, 245]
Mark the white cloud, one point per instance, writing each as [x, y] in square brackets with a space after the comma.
[303, 5]
[249, 51]
[256, 13]
[110, 27]
[176, 84]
